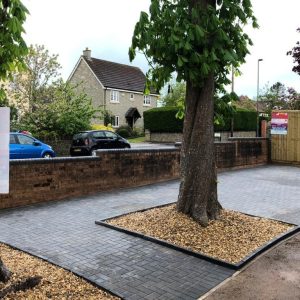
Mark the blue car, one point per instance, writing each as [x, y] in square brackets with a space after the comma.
[25, 146]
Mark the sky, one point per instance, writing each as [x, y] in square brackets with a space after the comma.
[67, 27]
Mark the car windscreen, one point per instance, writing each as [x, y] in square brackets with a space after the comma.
[80, 135]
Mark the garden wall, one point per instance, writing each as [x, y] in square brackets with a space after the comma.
[40, 180]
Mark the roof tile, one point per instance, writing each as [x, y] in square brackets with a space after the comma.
[118, 76]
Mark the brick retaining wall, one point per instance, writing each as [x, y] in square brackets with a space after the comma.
[40, 180]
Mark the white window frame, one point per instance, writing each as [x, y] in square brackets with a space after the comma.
[147, 100]
[116, 123]
[114, 96]
[131, 96]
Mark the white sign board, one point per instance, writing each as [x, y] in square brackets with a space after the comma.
[4, 150]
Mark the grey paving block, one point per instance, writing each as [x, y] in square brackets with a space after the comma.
[65, 233]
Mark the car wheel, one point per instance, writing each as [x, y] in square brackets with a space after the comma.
[47, 155]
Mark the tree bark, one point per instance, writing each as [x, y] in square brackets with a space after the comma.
[198, 188]
[4, 272]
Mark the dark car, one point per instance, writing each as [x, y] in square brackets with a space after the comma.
[87, 142]
[25, 146]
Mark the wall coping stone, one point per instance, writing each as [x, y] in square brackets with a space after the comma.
[247, 138]
[138, 150]
[51, 160]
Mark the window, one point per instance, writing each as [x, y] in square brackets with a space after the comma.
[12, 139]
[114, 96]
[147, 100]
[98, 135]
[115, 121]
[25, 140]
[110, 135]
[131, 96]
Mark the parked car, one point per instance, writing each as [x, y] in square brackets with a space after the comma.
[25, 146]
[87, 142]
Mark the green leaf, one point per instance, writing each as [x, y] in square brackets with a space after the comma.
[131, 53]
[180, 61]
[199, 32]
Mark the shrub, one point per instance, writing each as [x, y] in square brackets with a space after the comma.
[243, 120]
[125, 131]
[163, 119]
[102, 127]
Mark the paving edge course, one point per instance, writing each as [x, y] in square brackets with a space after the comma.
[219, 262]
[66, 269]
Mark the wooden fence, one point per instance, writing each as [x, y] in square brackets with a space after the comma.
[286, 148]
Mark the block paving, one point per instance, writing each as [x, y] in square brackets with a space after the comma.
[65, 234]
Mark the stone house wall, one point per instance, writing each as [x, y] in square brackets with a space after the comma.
[89, 85]
[101, 96]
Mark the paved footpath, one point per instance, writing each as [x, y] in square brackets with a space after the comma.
[64, 233]
[271, 191]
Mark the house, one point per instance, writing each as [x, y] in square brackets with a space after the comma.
[117, 88]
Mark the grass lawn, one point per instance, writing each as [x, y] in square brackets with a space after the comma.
[140, 139]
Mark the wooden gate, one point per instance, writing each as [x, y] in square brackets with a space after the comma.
[286, 148]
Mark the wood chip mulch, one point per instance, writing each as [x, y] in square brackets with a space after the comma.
[56, 283]
[231, 238]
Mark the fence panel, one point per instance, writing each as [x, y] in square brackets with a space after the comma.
[286, 148]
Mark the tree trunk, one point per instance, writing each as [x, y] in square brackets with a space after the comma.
[4, 272]
[198, 188]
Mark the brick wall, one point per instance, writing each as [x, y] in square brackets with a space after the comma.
[242, 152]
[40, 180]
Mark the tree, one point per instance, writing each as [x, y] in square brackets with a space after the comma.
[295, 53]
[13, 48]
[279, 97]
[31, 86]
[49, 107]
[199, 40]
[274, 97]
[64, 113]
[293, 99]
[176, 94]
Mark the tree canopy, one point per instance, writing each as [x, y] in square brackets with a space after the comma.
[48, 107]
[13, 47]
[193, 41]
[295, 53]
[279, 97]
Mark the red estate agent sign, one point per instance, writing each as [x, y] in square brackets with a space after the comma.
[279, 123]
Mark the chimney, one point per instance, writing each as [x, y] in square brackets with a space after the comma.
[87, 53]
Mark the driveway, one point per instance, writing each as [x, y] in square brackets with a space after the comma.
[65, 233]
[271, 191]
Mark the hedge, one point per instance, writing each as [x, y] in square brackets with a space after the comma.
[163, 119]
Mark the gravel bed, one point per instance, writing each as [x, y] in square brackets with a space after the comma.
[56, 282]
[231, 238]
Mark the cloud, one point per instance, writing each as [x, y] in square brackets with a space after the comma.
[67, 27]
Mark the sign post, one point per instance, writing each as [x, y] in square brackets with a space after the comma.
[4, 149]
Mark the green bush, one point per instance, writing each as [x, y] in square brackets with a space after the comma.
[125, 131]
[243, 120]
[163, 119]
